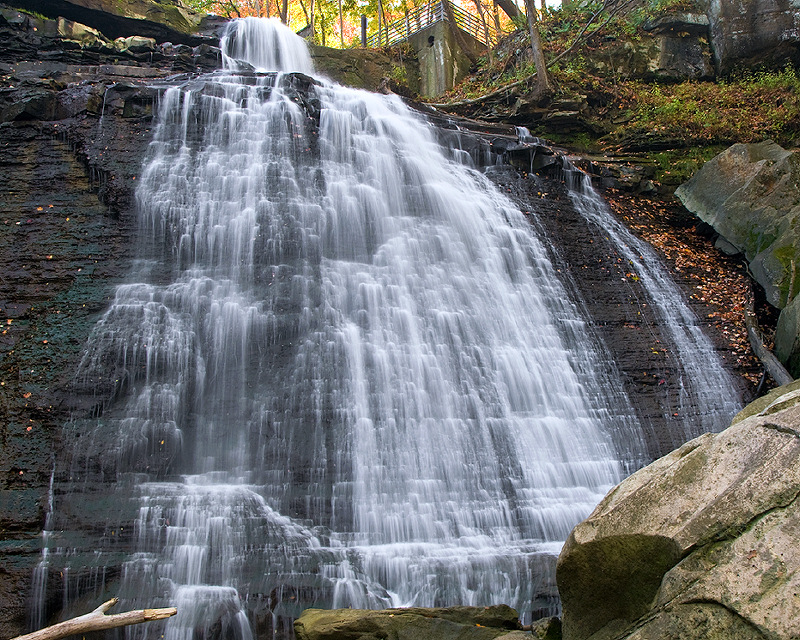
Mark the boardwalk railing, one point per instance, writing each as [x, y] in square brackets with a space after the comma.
[424, 16]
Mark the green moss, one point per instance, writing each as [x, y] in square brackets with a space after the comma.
[690, 468]
[33, 14]
[759, 405]
[676, 166]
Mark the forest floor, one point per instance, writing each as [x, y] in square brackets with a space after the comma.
[717, 286]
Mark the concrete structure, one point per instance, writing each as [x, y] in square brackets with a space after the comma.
[441, 62]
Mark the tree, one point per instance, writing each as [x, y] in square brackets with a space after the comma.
[482, 16]
[509, 7]
[543, 85]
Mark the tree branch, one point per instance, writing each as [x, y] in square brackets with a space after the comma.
[771, 364]
[98, 621]
[612, 12]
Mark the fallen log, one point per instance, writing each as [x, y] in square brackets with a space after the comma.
[97, 620]
[771, 364]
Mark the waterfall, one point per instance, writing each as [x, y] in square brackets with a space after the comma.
[699, 386]
[344, 372]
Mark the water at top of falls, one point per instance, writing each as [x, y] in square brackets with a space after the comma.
[266, 45]
[346, 372]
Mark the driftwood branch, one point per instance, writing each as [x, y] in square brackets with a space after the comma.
[97, 620]
[771, 364]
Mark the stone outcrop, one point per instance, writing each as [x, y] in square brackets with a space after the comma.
[163, 20]
[366, 68]
[754, 32]
[700, 544]
[452, 623]
[750, 195]
[683, 51]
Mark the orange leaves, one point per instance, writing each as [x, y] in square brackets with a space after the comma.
[717, 283]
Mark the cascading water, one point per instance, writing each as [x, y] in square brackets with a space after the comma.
[344, 372]
[708, 389]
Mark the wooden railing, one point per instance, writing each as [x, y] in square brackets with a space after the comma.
[426, 15]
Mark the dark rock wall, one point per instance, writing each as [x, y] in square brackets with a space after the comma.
[164, 20]
[74, 127]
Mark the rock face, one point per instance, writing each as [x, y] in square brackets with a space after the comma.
[163, 20]
[365, 68]
[750, 195]
[752, 32]
[75, 115]
[683, 50]
[452, 623]
[700, 544]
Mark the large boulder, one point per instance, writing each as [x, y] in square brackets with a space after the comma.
[750, 195]
[700, 544]
[452, 623]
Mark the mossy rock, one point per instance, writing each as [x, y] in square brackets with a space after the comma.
[450, 623]
[700, 544]
[750, 195]
[777, 399]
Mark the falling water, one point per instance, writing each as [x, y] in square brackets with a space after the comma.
[705, 398]
[344, 371]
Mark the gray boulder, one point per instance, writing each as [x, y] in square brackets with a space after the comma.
[700, 544]
[750, 195]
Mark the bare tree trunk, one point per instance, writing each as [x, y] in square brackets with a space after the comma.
[542, 76]
[341, 25]
[381, 20]
[496, 18]
[486, 35]
[544, 8]
[305, 12]
[98, 621]
[283, 11]
[459, 38]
